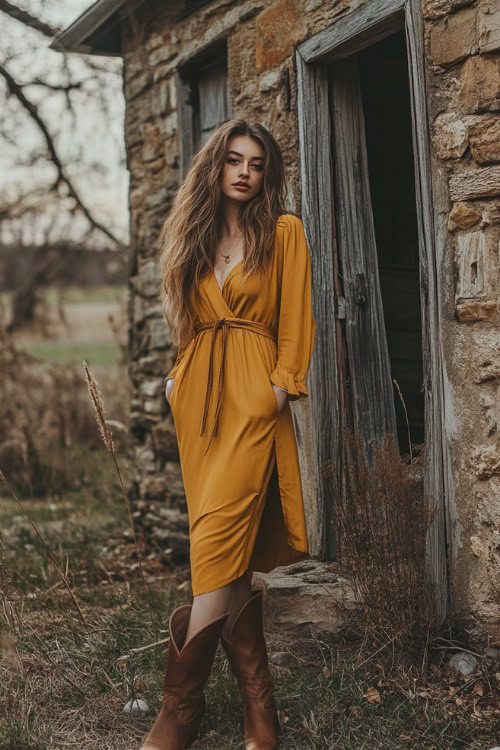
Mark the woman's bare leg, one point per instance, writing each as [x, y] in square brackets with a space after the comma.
[229, 598]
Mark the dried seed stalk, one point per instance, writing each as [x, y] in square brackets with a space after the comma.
[107, 437]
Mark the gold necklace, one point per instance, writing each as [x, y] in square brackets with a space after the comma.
[227, 257]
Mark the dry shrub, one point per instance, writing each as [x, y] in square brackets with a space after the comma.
[382, 520]
[47, 430]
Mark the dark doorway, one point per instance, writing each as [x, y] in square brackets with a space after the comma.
[384, 87]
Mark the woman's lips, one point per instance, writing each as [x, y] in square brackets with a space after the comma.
[242, 187]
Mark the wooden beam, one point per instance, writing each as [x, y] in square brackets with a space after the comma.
[432, 212]
[317, 215]
[363, 27]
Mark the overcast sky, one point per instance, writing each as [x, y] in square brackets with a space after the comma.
[90, 144]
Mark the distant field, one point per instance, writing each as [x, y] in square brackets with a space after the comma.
[84, 332]
[103, 354]
[103, 293]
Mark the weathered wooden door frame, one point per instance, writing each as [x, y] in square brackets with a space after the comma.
[369, 24]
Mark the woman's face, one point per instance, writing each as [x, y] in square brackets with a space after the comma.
[243, 169]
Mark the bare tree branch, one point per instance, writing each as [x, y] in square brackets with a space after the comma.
[52, 86]
[16, 90]
[24, 17]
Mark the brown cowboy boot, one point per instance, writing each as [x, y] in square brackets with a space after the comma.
[183, 703]
[247, 655]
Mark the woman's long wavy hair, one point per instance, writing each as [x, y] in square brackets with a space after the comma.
[190, 234]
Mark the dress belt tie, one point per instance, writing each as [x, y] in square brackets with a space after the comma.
[225, 324]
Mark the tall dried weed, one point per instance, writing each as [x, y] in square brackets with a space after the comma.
[106, 434]
[382, 519]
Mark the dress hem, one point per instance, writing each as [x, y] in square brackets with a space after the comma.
[304, 554]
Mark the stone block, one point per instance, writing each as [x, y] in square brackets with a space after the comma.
[269, 82]
[438, 8]
[480, 85]
[165, 440]
[248, 12]
[159, 334]
[150, 365]
[474, 312]
[137, 310]
[153, 144]
[486, 462]
[144, 457]
[475, 183]
[484, 138]
[462, 216]
[158, 198]
[308, 596]
[149, 280]
[163, 54]
[454, 38]
[154, 408]
[158, 165]
[490, 213]
[161, 101]
[151, 388]
[277, 29]
[449, 136]
[152, 309]
[169, 125]
[489, 26]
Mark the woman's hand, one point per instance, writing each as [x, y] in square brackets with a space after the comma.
[168, 388]
[281, 397]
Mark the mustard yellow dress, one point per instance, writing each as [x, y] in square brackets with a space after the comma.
[238, 459]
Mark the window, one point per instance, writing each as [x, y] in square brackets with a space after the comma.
[204, 102]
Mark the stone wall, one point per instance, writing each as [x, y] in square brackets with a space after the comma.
[462, 68]
[463, 45]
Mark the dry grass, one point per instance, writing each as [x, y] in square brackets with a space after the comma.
[64, 685]
[47, 429]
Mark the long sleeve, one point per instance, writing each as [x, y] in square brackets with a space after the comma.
[297, 327]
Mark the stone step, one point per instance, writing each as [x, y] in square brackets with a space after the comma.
[308, 596]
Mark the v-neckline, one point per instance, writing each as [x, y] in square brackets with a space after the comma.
[221, 288]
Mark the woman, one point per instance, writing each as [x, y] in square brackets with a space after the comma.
[237, 297]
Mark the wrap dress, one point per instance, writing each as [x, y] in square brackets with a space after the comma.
[238, 458]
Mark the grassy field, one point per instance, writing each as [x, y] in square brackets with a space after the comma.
[102, 354]
[76, 325]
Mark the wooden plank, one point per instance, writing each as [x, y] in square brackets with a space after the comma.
[475, 183]
[371, 388]
[214, 98]
[185, 118]
[432, 211]
[317, 216]
[367, 25]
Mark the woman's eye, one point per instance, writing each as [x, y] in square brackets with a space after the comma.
[257, 166]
